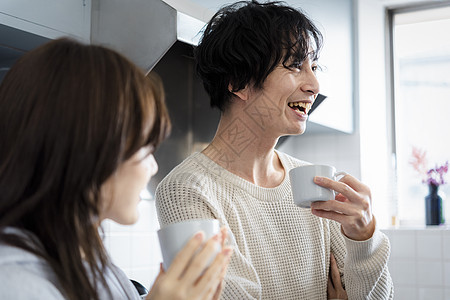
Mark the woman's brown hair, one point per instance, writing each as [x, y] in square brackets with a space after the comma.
[70, 114]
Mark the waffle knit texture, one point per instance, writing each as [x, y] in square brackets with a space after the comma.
[281, 251]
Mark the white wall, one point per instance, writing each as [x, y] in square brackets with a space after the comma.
[135, 249]
[372, 96]
[420, 263]
[337, 149]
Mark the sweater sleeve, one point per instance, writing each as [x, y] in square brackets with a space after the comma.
[364, 263]
[182, 197]
[185, 196]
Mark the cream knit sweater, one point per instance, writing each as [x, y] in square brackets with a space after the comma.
[281, 251]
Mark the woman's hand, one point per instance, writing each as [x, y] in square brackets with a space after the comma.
[352, 207]
[335, 290]
[188, 277]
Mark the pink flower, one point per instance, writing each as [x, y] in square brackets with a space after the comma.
[419, 160]
[434, 176]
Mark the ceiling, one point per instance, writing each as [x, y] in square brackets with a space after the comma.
[214, 5]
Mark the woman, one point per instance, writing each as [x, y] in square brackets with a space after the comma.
[79, 125]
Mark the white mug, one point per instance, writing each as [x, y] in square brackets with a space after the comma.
[173, 237]
[304, 190]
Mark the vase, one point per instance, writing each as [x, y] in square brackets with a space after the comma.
[433, 206]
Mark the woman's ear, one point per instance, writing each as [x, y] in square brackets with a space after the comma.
[243, 94]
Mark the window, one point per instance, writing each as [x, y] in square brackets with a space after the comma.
[421, 81]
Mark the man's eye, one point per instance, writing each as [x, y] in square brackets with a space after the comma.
[296, 66]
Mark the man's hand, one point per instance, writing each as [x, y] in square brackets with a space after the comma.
[352, 207]
[335, 290]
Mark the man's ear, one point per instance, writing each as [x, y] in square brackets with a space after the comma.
[243, 94]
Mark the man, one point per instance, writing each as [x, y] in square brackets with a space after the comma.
[258, 63]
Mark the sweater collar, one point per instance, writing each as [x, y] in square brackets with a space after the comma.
[264, 194]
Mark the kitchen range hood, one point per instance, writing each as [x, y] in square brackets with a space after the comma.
[160, 37]
[144, 30]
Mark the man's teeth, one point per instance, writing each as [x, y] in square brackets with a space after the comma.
[305, 105]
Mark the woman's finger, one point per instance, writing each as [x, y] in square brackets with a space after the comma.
[215, 273]
[218, 291]
[157, 280]
[224, 232]
[182, 259]
[219, 288]
[201, 260]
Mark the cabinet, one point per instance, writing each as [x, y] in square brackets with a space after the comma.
[49, 18]
[335, 20]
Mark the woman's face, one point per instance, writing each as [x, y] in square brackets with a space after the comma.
[120, 192]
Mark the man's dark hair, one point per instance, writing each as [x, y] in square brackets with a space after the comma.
[244, 42]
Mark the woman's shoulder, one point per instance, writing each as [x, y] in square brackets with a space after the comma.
[11, 255]
[24, 275]
[22, 282]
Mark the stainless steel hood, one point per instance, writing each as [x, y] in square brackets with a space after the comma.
[143, 30]
[160, 37]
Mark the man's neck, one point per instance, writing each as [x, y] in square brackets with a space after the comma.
[241, 148]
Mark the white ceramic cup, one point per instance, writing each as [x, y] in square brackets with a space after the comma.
[173, 237]
[305, 191]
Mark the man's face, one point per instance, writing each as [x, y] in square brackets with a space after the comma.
[286, 98]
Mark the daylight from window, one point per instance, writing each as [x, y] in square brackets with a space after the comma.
[422, 106]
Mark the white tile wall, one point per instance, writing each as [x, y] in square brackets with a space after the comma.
[135, 249]
[429, 245]
[420, 262]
